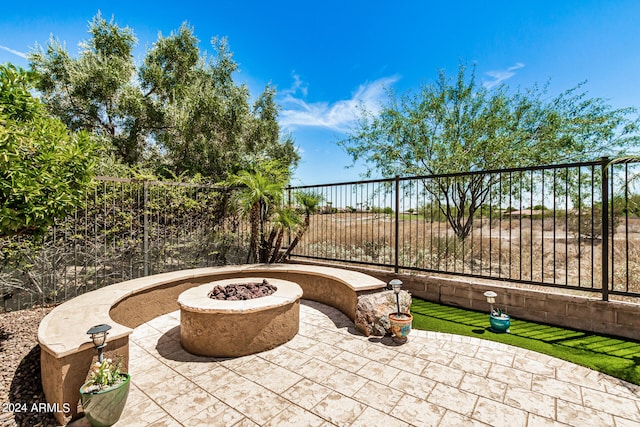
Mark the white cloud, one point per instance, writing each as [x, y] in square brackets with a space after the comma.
[501, 75]
[15, 52]
[298, 85]
[337, 116]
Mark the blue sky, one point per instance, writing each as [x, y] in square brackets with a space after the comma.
[327, 57]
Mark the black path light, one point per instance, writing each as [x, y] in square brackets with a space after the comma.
[396, 285]
[99, 337]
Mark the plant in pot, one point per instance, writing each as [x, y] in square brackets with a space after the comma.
[104, 395]
[400, 323]
[499, 320]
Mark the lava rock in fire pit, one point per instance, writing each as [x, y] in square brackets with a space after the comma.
[242, 291]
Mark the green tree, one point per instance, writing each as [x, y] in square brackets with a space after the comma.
[44, 169]
[287, 220]
[179, 110]
[259, 195]
[460, 126]
[309, 202]
[95, 92]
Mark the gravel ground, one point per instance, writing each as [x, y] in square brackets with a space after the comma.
[20, 388]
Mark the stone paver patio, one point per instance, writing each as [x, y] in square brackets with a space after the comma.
[329, 374]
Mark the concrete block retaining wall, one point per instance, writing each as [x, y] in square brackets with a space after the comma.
[550, 306]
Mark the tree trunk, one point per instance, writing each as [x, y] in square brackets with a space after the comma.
[254, 218]
[276, 248]
[296, 240]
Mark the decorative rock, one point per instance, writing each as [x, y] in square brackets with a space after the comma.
[372, 311]
[242, 291]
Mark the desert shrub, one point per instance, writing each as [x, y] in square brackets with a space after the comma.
[588, 224]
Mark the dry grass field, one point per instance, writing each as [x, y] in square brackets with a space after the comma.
[548, 250]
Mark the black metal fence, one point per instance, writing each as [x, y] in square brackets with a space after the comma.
[126, 229]
[574, 226]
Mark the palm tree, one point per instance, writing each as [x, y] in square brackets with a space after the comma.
[259, 191]
[287, 220]
[309, 202]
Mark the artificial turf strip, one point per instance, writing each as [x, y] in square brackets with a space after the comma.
[613, 356]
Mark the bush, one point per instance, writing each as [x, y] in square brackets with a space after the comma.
[588, 225]
[44, 169]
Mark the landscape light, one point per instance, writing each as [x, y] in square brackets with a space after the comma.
[99, 337]
[396, 285]
[491, 298]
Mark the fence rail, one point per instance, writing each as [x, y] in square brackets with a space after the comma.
[124, 230]
[574, 226]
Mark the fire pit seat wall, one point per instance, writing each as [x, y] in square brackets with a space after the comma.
[66, 351]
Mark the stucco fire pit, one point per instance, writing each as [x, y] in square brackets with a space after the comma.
[221, 328]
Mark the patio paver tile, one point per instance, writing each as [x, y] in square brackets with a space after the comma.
[278, 379]
[537, 403]
[483, 386]
[380, 353]
[322, 351]
[579, 416]
[345, 382]
[624, 422]
[533, 366]
[215, 378]
[373, 417]
[443, 374]
[140, 412]
[502, 356]
[496, 414]
[306, 393]
[164, 323]
[291, 359]
[454, 419]
[509, 375]
[144, 362]
[261, 405]
[187, 405]
[316, 370]
[167, 421]
[453, 399]
[295, 416]
[245, 422]
[378, 372]
[610, 403]
[465, 348]
[408, 363]
[436, 355]
[471, 365]
[412, 384]
[378, 396]
[348, 361]
[558, 389]
[419, 411]
[216, 414]
[339, 409]
[538, 421]
[169, 389]
[329, 374]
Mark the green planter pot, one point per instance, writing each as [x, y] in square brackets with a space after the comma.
[103, 408]
[500, 324]
[400, 326]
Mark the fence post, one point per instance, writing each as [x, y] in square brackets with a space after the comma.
[397, 231]
[288, 205]
[605, 228]
[145, 227]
